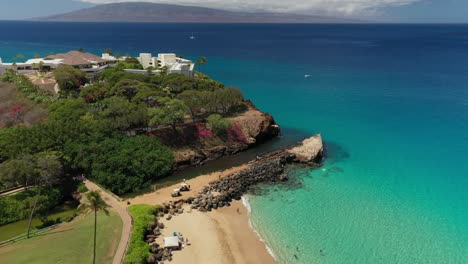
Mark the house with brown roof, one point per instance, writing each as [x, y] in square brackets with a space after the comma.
[84, 61]
[87, 62]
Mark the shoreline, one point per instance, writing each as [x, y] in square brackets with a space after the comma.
[225, 235]
[213, 214]
[247, 205]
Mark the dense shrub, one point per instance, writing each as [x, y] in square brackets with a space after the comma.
[218, 124]
[18, 206]
[203, 132]
[69, 80]
[125, 164]
[138, 249]
[82, 188]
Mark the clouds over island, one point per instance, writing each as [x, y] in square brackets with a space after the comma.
[327, 7]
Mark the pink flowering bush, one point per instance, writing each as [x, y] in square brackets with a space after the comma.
[203, 132]
[235, 135]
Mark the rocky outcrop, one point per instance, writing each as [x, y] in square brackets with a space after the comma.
[256, 127]
[309, 151]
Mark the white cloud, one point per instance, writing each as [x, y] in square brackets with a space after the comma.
[328, 7]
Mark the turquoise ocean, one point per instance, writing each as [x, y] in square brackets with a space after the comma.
[391, 102]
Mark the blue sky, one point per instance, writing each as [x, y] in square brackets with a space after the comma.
[436, 11]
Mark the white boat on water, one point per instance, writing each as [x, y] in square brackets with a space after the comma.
[192, 37]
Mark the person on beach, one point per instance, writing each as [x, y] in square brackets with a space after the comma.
[238, 211]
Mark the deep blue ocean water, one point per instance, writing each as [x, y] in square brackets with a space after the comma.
[391, 102]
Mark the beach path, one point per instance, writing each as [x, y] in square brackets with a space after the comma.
[121, 209]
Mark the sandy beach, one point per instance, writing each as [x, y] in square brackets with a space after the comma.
[219, 236]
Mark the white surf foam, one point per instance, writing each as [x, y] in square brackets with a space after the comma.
[246, 203]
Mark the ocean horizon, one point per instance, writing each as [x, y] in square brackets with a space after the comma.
[391, 103]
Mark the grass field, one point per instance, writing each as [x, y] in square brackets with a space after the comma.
[19, 228]
[69, 243]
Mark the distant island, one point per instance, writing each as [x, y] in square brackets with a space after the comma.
[166, 13]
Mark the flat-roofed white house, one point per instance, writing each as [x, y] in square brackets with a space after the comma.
[173, 64]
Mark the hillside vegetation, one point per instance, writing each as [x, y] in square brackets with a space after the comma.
[108, 130]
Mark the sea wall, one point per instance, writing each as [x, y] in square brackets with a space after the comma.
[269, 168]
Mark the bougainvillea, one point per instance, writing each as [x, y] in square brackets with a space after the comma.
[203, 132]
[235, 135]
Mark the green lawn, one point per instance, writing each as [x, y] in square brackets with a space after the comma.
[21, 227]
[69, 243]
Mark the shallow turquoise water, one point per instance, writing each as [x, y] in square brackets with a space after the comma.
[391, 102]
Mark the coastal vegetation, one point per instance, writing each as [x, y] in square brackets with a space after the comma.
[121, 130]
[138, 249]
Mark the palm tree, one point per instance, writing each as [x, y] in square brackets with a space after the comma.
[18, 57]
[202, 61]
[94, 203]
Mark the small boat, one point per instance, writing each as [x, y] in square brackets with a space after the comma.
[192, 37]
[307, 76]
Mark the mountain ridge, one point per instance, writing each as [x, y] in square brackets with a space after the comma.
[167, 13]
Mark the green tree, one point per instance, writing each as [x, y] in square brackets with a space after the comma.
[201, 61]
[94, 203]
[170, 112]
[18, 57]
[49, 169]
[150, 98]
[228, 98]
[193, 99]
[65, 111]
[37, 55]
[119, 114]
[94, 93]
[163, 70]
[69, 79]
[19, 171]
[218, 124]
[41, 66]
[124, 164]
[126, 88]
[108, 51]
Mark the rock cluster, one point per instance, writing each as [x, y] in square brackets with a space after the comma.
[221, 192]
[153, 231]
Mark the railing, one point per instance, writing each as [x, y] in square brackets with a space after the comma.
[11, 240]
[10, 189]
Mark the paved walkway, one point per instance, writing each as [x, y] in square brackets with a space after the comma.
[121, 209]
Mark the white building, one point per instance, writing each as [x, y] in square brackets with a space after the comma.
[170, 61]
[146, 60]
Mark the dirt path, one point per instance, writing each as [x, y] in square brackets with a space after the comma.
[121, 209]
